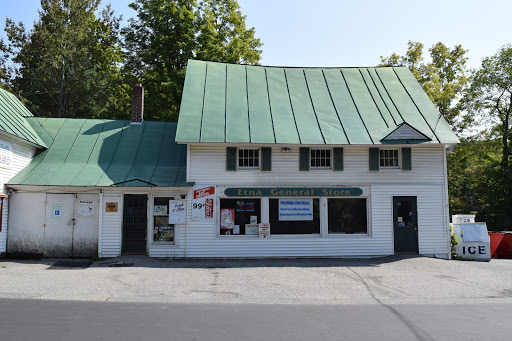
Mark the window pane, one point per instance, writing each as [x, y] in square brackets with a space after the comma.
[347, 215]
[293, 227]
[241, 211]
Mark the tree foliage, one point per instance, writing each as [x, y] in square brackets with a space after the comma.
[443, 78]
[488, 104]
[67, 65]
[166, 34]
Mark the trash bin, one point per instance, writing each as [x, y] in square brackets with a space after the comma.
[501, 244]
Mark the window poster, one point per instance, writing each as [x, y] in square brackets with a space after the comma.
[264, 230]
[177, 212]
[295, 209]
[227, 218]
[160, 209]
[252, 229]
[57, 211]
[5, 154]
[249, 206]
[240, 206]
[203, 203]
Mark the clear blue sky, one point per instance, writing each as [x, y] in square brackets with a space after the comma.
[350, 33]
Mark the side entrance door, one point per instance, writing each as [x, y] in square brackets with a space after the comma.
[405, 222]
[135, 223]
[59, 225]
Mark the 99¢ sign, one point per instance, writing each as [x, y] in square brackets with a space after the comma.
[202, 203]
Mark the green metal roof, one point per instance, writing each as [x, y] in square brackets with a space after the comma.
[231, 103]
[92, 152]
[12, 119]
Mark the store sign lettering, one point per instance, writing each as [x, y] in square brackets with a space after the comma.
[293, 192]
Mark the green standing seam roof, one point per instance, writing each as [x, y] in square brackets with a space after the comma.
[94, 152]
[12, 119]
[228, 103]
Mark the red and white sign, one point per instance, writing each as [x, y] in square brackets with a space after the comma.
[202, 204]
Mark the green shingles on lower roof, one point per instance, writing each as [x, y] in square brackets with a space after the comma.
[335, 106]
[87, 152]
[12, 119]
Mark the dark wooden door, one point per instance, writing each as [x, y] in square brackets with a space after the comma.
[405, 221]
[135, 223]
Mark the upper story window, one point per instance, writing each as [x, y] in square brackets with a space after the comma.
[320, 158]
[248, 158]
[389, 158]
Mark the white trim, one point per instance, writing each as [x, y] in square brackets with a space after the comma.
[446, 203]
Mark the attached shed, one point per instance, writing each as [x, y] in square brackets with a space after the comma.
[334, 162]
[101, 187]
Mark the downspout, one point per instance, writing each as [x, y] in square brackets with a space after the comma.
[100, 231]
[446, 217]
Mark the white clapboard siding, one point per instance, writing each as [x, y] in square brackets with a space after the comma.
[21, 157]
[110, 245]
[202, 239]
[208, 166]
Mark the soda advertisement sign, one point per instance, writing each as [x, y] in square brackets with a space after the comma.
[202, 203]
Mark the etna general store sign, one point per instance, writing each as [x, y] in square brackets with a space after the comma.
[294, 192]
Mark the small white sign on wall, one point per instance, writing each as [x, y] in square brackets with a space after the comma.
[177, 212]
[203, 203]
[5, 154]
[57, 211]
[86, 208]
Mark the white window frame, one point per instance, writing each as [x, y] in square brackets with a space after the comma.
[152, 214]
[238, 167]
[320, 158]
[349, 235]
[399, 159]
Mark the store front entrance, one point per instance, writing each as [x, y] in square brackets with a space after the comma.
[135, 223]
[405, 222]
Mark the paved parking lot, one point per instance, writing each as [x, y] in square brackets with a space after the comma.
[388, 280]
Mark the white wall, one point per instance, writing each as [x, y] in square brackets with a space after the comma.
[426, 181]
[22, 155]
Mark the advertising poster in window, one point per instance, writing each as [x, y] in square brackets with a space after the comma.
[177, 212]
[227, 218]
[295, 209]
[203, 203]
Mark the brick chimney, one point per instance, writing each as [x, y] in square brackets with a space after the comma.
[137, 104]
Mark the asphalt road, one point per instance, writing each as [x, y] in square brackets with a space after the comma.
[74, 320]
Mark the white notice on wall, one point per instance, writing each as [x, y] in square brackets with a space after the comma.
[86, 208]
[291, 209]
[264, 230]
[5, 154]
[177, 212]
[203, 202]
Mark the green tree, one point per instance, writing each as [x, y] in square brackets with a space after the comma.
[488, 102]
[443, 78]
[67, 65]
[166, 34]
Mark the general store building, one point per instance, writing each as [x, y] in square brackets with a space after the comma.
[264, 162]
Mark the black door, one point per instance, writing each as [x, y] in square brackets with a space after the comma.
[405, 222]
[135, 222]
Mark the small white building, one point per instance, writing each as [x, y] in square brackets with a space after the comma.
[264, 162]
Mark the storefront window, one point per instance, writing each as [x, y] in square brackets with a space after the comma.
[294, 216]
[347, 216]
[240, 216]
[162, 230]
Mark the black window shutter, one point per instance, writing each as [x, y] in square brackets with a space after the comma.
[406, 159]
[338, 159]
[266, 159]
[304, 159]
[374, 159]
[231, 158]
